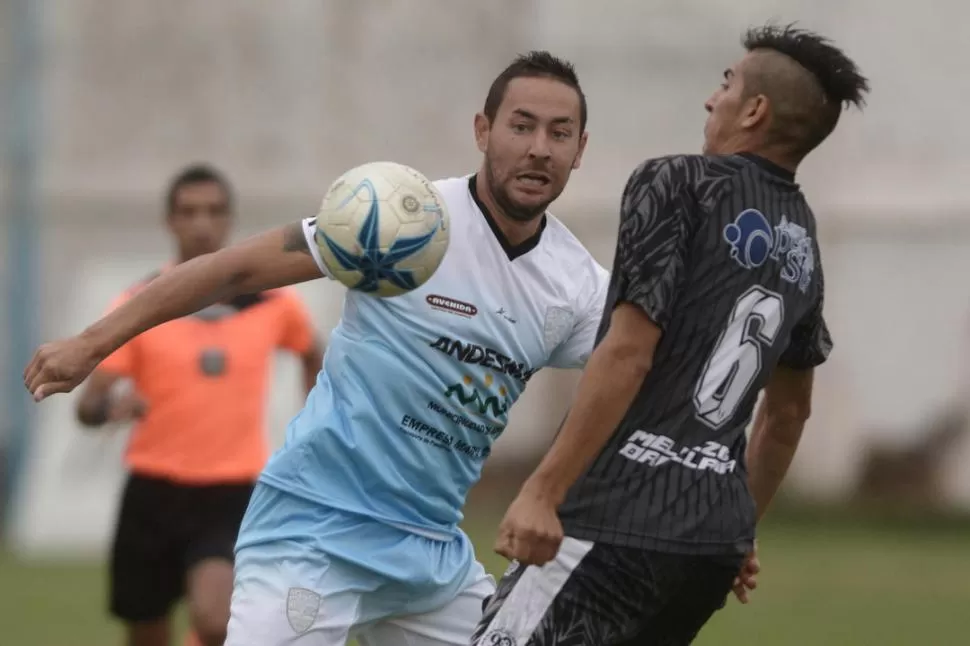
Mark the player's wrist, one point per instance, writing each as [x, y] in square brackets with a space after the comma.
[544, 487]
[97, 342]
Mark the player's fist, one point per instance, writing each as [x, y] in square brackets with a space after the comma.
[59, 367]
[531, 531]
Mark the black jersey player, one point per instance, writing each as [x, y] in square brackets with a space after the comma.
[641, 518]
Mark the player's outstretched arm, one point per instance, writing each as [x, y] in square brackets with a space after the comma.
[612, 379]
[778, 426]
[531, 531]
[274, 259]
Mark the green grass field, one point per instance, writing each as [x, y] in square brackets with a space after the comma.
[825, 582]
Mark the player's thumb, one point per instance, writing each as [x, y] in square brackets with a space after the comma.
[46, 390]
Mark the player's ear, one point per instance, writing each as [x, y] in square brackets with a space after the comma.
[754, 111]
[482, 129]
[583, 138]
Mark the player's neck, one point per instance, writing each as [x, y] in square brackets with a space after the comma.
[772, 154]
[781, 161]
[515, 231]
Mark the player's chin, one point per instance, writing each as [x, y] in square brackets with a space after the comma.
[533, 197]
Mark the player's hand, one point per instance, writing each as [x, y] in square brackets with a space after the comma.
[747, 579]
[59, 367]
[126, 408]
[531, 532]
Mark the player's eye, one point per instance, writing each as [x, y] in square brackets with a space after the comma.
[562, 135]
[520, 128]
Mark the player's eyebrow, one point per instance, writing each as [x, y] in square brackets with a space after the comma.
[525, 113]
[528, 115]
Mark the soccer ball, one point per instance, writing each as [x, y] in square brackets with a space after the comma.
[382, 229]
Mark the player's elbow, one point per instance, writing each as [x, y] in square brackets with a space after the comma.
[237, 269]
[790, 411]
[635, 358]
[784, 421]
[632, 339]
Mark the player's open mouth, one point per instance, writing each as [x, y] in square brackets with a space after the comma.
[533, 179]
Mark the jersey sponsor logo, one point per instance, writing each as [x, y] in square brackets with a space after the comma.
[451, 305]
[487, 404]
[754, 241]
[430, 434]
[479, 355]
[656, 450]
[492, 431]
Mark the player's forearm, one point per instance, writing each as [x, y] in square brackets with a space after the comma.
[774, 440]
[609, 384]
[183, 290]
[270, 260]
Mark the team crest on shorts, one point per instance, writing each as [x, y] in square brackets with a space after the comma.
[498, 637]
[559, 320]
[302, 607]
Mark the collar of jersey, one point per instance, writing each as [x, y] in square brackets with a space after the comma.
[769, 166]
[512, 251]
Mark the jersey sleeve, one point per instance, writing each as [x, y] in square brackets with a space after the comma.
[654, 236]
[575, 350]
[309, 232]
[810, 342]
[121, 362]
[296, 329]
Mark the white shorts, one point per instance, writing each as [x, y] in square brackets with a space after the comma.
[283, 598]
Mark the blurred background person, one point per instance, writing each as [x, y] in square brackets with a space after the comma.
[197, 395]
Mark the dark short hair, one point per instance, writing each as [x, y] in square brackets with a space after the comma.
[838, 77]
[197, 174]
[535, 64]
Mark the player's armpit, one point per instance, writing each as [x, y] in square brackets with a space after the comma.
[294, 240]
[780, 419]
[311, 360]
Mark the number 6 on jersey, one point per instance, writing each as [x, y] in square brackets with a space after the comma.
[736, 360]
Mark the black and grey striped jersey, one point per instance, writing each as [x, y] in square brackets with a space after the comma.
[721, 253]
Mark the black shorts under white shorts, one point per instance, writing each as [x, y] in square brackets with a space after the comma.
[602, 595]
[163, 530]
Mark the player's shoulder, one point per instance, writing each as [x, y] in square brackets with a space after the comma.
[702, 179]
[680, 171]
[453, 188]
[573, 260]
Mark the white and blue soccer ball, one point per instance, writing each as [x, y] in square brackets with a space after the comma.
[382, 229]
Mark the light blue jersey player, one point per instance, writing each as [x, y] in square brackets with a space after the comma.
[353, 528]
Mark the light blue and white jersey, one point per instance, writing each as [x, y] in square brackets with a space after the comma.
[416, 388]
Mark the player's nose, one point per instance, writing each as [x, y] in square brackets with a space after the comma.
[539, 146]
